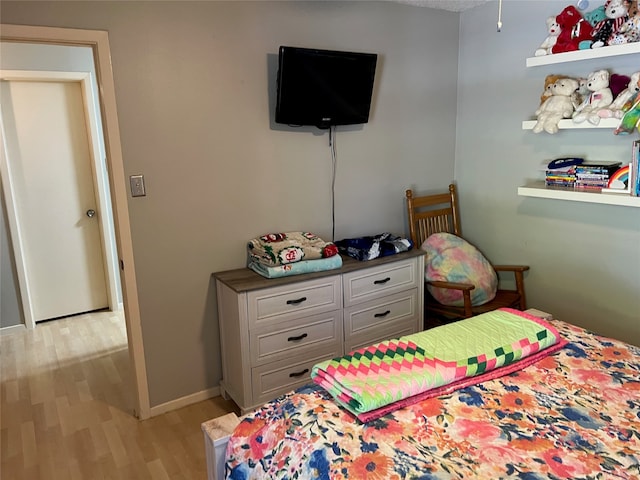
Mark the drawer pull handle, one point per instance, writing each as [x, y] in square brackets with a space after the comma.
[380, 315]
[295, 339]
[297, 301]
[382, 282]
[299, 374]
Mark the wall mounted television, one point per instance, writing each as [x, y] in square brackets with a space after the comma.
[324, 88]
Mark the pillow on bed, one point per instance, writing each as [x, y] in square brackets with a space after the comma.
[452, 259]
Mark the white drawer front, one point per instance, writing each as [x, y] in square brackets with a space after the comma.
[273, 379]
[294, 301]
[363, 285]
[381, 312]
[379, 335]
[296, 337]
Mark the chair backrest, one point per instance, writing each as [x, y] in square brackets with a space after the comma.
[431, 214]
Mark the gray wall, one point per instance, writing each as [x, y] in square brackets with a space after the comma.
[195, 92]
[584, 258]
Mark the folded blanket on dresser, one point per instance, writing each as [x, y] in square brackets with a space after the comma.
[370, 247]
[297, 268]
[373, 381]
[275, 249]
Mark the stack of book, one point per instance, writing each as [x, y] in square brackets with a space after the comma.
[561, 177]
[594, 175]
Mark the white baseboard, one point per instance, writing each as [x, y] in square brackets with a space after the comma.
[184, 401]
[13, 329]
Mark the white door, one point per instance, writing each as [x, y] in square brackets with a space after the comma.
[49, 157]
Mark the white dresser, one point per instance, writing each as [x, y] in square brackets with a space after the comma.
[272, 331]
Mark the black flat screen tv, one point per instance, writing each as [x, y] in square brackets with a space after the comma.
[324, 88]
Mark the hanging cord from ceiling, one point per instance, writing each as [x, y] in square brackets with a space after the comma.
[334, 156]
[499, 15]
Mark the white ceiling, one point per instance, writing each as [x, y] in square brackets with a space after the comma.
[451, 5]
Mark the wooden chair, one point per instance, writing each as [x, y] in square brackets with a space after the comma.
[439, 213]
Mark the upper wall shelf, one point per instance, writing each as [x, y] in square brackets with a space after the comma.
[577, 55]
[565, 124]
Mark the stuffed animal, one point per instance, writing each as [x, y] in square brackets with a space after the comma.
[573, 30]
[593, 17]
[631, 117]
[553, 30]
[600, 97]
[620, 97]
[617, 14]
[548, 86]
[579, 95]
[629, 32]
[618, 83]
[617, 107]
[556, 107]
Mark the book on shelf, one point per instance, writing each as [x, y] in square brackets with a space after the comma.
[634, 169]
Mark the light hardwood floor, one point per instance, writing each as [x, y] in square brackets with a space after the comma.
[65, 410]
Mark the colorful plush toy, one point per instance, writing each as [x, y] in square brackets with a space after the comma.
[629, 32]
[617, 12]
[553, 30]
[600, 97]
[631, 118]
[573, 30]
[556, 107]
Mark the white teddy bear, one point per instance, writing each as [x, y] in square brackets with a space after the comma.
[615, 110]
[599, 98]
[553, 29]
[557, 106]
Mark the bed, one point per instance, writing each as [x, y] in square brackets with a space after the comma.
[574, 413]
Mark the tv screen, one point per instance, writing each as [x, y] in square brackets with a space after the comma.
[324, 87]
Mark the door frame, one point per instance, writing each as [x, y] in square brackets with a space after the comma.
[98, 40]
[109, 261]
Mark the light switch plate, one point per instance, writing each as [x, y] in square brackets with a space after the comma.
[137, 185]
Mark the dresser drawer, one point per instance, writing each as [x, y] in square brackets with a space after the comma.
[273, 379]
[406, 327]
[363, 285]
[293, 301]
[381, 312]
[294, 337]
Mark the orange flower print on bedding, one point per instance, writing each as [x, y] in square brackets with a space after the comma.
[517, 401]
[372, 466]
[474, 431]
[250, 428]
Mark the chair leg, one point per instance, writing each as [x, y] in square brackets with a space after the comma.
[520, 287]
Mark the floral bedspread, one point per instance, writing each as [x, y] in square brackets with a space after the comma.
[574, 415]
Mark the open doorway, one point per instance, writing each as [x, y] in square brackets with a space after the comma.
[98, 42]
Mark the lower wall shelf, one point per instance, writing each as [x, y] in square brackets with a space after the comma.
[539, 190]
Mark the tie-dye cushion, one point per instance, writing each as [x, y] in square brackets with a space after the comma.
[452, 259]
